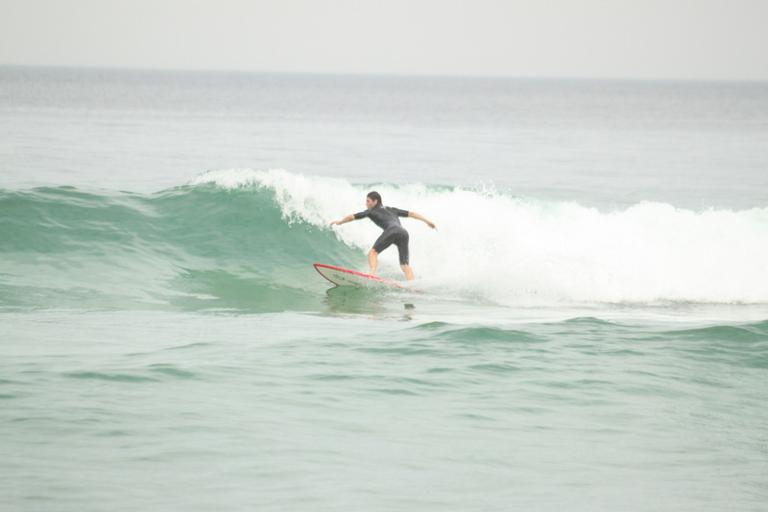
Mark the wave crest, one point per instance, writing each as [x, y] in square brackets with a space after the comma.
[246, 238]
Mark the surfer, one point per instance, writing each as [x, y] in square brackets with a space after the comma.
[386, 217]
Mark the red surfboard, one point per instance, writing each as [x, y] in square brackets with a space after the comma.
[346, 277]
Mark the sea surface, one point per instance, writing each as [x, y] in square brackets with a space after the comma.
[588, 329]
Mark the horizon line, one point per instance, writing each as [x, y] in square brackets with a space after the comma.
[381, 74]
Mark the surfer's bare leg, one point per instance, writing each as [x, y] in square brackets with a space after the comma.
[373, 260]
[408, 271]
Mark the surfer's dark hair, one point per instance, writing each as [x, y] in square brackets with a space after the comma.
[375, 195]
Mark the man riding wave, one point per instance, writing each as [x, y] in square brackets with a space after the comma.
[387, 218]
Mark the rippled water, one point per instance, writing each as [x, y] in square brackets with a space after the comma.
[121, 411]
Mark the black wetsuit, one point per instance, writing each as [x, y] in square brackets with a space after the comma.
[386, 217]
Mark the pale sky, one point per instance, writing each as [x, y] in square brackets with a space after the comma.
[676, 39]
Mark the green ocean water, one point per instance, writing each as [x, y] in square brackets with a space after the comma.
[183, 411]
[588, 329]
[177, 351]
[183, 249]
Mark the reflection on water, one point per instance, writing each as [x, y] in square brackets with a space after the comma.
[377, 303]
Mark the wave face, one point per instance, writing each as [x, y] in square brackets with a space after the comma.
[189, 247]
[244, 239]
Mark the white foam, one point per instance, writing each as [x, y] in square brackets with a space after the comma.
[523, 251]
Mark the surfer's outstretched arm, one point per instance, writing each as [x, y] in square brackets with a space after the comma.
[346, 219]
[422, 218]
